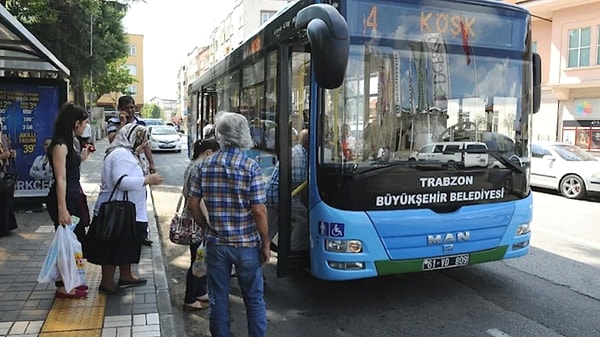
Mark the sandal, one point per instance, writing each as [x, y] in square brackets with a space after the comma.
[193, 306]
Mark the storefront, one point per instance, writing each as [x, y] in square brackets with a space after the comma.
[581, 123]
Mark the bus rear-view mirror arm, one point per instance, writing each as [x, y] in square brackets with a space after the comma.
[329, 41]
[537, 82]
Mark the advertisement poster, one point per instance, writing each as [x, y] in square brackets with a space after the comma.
[28, 111]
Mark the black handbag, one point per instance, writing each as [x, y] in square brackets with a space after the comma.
[8, 180]
[116, 219]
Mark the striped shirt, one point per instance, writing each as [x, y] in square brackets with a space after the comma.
[230, 184]
[113, 124]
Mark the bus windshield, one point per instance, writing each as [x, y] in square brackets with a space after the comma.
[419, 77]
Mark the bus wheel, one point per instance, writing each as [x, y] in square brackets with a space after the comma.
[572, 187]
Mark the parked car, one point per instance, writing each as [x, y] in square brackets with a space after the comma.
[467, 154]
[153, 121]
[164, 138]
[565, 168]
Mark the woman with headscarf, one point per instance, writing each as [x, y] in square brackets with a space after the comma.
[8, 221]
[122, 159]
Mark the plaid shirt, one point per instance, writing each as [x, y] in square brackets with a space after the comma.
[230, 183]
[299, 174]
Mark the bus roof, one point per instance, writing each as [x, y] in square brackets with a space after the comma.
[280, 26]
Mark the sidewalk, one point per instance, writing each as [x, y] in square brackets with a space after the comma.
[28, 308]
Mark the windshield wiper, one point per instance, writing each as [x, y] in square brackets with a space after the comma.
[506, 162]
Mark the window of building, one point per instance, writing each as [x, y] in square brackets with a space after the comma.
[534, 47]
[579, 47]
[132, 68]
[266, 15]
[132, 89]
[132, 49]
[598, 48]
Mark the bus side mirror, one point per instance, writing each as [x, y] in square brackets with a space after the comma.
[537, 81]
[329, 41]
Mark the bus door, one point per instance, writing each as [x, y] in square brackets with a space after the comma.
[208, 107]
[294, 111]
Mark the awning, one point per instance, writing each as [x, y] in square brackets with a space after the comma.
[21, 51]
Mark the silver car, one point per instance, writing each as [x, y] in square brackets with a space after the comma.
[565, 168]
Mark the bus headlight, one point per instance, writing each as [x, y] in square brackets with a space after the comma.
[343, 246]
[523, 229]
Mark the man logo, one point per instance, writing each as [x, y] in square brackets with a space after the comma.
[446, 238]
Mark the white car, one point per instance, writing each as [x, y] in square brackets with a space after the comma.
[164, 138]
[565, 168]
[468, 154]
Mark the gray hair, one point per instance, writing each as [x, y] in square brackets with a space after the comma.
[232, 130]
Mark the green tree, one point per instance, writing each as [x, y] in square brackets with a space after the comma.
[70, 27]
[151, 111]
[116, 79]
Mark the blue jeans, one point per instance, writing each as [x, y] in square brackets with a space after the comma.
[219, 260]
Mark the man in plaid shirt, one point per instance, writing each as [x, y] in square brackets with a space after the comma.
[299, 228]
[231, 185]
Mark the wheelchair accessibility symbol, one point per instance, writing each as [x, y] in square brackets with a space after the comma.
[332, 229]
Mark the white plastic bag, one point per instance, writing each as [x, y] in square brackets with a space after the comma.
[199, 266]
[70, 258]
[49, 272]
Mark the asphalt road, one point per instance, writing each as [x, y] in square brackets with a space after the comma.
[554, 291]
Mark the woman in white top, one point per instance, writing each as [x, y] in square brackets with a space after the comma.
[122, 159]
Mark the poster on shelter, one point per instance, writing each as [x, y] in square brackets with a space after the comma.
[28, 112]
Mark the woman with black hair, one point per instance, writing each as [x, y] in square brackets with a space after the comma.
[196, 296]
[66, 197]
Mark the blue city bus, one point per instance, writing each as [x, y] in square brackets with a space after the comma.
[373, 82]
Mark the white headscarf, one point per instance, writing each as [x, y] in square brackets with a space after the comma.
[130, 137]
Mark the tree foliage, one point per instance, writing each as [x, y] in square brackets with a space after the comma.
[151, 111]
[69, 27]
[116, 79]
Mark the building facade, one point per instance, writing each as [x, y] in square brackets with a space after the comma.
[168, 107]
[566, 34]
[135, 65]
[244, 18]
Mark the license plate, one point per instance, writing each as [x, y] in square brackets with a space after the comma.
[445, 262]
[166, 146]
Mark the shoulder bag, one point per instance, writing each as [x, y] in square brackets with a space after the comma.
[184, 230]
[8, 180]
[116, 218]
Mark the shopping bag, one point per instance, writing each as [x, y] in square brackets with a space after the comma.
[49, 272]
[199, 266]
[70, 260]
[184, 230]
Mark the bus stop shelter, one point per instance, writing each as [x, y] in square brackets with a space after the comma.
[21, 51]
[33, 86]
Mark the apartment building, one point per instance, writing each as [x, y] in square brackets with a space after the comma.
[135, 65]
[167, 106]
[566, 34]
[245, 17]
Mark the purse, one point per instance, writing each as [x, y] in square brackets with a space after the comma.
[184, 230]
[8, 180]
[116, 218]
